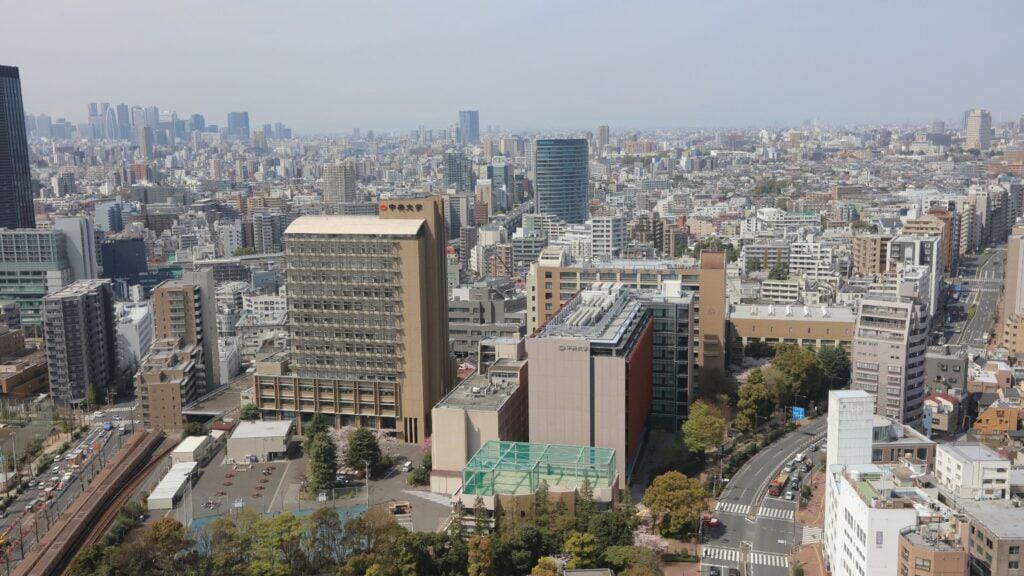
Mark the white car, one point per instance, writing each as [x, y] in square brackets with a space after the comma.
[789, 494]
[97, 414]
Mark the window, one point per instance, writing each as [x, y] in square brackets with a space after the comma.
[1014, 550]
[1013, 565]
[922, 565]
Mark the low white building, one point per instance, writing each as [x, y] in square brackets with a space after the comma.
[172, 486]
[972, 471]
[260, 441]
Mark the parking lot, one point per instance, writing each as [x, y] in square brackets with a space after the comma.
[275, 487]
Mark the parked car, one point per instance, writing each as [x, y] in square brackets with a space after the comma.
[342, 479]
[789, 494]
[97, 414]
[407, 466]
[788, 468]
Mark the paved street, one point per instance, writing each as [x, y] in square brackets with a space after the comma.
[23, 527]
[985, 285]
[756, 529]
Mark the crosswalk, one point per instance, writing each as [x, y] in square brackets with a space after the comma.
[756, 558]
[777, 513]
[732, 508]
[714, 553]
[767, 559]
[811, 535]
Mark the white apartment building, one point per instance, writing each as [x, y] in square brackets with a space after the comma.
[973, 471]
[229, 236]
[863, 514]
[608, 235]
[265, 306]
[812, 260]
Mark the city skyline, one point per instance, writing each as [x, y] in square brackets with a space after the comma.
[692, 66]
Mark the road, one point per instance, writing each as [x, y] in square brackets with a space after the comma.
[985, 284]
[757, 530]
[23, 527]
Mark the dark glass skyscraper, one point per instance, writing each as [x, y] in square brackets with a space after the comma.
[561, 178]
[16, 209]
[238, 124]
[469, 126]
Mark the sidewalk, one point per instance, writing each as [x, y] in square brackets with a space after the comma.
[810, 556]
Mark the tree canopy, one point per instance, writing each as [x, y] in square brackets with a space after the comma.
[703, 428]
[675, 500]
[363, 450]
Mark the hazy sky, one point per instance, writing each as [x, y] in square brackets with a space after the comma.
[330, 66]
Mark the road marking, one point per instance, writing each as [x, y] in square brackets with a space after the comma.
[777, 513]
[732, 508]
[714, 553]
[768, 559]
[811, 535]
[284, 480]
[431, 496]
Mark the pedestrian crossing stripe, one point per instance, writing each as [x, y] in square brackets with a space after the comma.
[766, 559]
[811, 534]
[776, 513]
[714, 553]
[732, 508]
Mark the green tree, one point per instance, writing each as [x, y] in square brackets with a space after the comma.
[754, 265]
[315, 426]
[779, 272]
[755, 404]
[704, 428]
[195, 429]
[836, 364]
[546, 566]
[480, 555]
[249, 412]
[420, 475]
[675, 501]
[363, 450]
[622, 558]
[582, 550]
[611, 529]
[323, 462]
[481, 518]
[586, 508]
[802, 368]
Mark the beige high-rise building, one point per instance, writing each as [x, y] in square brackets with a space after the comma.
[978, 133]
[890, 341]
[368, 318]
[1011, 315]
[869, 254]
[340, 183]
[167, 379]
[186, 310]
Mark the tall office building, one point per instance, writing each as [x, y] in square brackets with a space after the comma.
[368, 319]
[267, 230]
[561, 178]
[80, 242]
[503, 184]
[340, 183]
[469, 127]
[603, 137]
[123, 258]
[33, 263]
[144, 137]
[15, 175]
[186, 310]
[458, 172]
[238, 125]
[978, 129]
[591, 373]
[80, 341]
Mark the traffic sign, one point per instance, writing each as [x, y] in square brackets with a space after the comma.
[799, 413]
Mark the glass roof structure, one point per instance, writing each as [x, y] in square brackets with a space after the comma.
[519, 467]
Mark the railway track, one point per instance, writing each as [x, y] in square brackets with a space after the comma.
[103, 523]
[81, 522]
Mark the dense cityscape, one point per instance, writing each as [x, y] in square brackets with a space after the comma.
[230, 346]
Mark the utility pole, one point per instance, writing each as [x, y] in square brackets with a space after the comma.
[367, 485]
